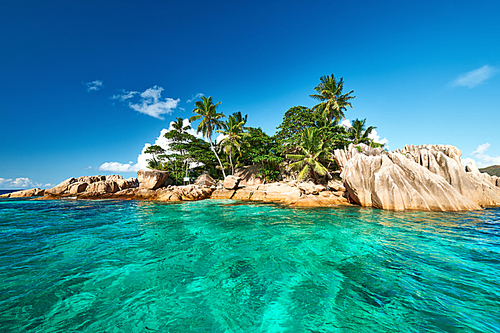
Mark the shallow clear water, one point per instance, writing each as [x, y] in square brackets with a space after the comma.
[217, 266]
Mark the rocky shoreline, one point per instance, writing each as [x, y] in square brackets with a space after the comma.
[427, 177]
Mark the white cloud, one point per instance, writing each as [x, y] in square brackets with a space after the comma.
[346, 123]
[125, 95]
[483, 159]
[195, 97]
[376, 138]
[21, 183]
[150, 102]
[94, 85]
[481, 149]
[142, 158]
[475, 77]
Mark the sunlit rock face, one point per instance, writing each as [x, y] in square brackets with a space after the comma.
[427, 177]
[151, 179]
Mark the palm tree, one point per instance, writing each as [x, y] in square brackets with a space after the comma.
[358, 133]
[206, 110]
[314, 150]
[240, 119]
[332, 102]
[178, 126]
[233, 133]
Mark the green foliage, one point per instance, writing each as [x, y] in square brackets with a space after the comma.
[307, 136]
[155, 162]
[233, 132]
[299, 118]
[262, 149]
[314, 152]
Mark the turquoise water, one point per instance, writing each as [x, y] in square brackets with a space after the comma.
[224, 266]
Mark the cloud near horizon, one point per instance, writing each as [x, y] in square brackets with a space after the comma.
[481, 158]
[475, 77]
[94, 85]
[142, 158]
[21, 183]
[150, 102]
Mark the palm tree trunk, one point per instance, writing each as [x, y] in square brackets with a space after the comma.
[231, 159]
[218, 159]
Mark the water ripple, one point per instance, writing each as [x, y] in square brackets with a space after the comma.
[224, 266]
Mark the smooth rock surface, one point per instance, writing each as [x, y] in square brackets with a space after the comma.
[151, 179]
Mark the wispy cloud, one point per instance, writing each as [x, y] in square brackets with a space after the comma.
[195, 97]
[150, 102]
[142, 158]
[21, 183]
[482, 158]
[94, 85]
[475, 77]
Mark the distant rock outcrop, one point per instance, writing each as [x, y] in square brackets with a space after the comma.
[91, 186]
[427, 177]
[34, 192]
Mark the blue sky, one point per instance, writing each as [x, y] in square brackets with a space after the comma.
[423, 72]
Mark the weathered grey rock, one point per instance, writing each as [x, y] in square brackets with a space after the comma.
[151, 179]
[205, 180]
[77, 187]
[249, 175]
[444, 161]
[231, 182]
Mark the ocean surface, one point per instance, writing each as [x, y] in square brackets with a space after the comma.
[226, 266]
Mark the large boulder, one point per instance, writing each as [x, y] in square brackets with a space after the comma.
[205, 180]
[428, 177]
[249, 175]
[77, 187]
[444, 160]
[397, 183]
[231, 182]
[151, 179]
